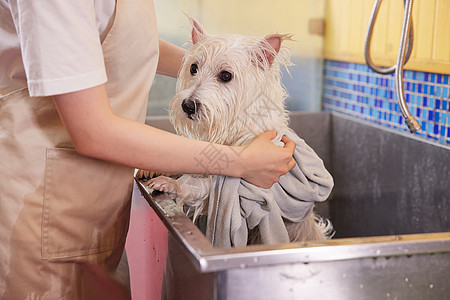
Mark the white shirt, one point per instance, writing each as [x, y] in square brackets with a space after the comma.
[53, 46]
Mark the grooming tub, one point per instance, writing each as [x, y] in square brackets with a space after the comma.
[389, 207]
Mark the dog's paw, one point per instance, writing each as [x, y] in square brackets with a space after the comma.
[163, 184]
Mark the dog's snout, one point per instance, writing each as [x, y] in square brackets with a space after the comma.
[189, 107]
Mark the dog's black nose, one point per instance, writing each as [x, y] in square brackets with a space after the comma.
[188, 107]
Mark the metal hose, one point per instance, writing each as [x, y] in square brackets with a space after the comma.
[405, 49]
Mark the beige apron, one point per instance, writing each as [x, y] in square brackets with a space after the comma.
[56, 206]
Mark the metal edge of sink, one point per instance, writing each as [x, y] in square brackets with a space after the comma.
[382, 249]
[206, 258]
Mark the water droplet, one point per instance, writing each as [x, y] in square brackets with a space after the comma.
[431, 286]
[361, 286]
[255, 259]
[406, 279]
[388, 295]
[378, 252]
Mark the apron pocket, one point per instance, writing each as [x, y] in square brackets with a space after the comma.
[86, 205]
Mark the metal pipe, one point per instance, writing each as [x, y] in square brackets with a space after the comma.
[405, 49]
[412, 123]
[370, 63]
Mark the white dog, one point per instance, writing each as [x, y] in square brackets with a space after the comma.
[228, 91]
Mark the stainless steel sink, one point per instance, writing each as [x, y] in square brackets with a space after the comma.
[389, 207]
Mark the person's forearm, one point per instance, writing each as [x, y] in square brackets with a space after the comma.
[170, 58]
[141, 146]
[97, 132]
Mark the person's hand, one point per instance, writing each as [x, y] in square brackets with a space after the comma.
[264, 163]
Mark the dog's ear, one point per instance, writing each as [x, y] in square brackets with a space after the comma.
[271, 45]
[197, 29]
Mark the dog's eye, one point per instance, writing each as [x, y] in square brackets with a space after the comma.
[225, 76]
[194, 69]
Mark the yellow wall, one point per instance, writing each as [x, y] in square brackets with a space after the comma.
[246, 17]
[347, 22]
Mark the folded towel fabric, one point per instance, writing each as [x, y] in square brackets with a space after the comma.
[236, 205]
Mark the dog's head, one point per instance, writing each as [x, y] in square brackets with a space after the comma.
[229, 86]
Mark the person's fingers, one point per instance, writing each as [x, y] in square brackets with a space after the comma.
[278, 161]
[270, 134]
[288, 144]
[292, 164]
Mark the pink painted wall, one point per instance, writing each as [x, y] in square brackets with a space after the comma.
[146, 249]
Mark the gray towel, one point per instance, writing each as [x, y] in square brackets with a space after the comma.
[236, 205]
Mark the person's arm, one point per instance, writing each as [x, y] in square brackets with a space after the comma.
[97, 132]
[170, 58]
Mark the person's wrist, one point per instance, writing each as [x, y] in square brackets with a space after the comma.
[236, 158]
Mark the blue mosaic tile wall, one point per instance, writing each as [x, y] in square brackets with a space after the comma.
[354, 89]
